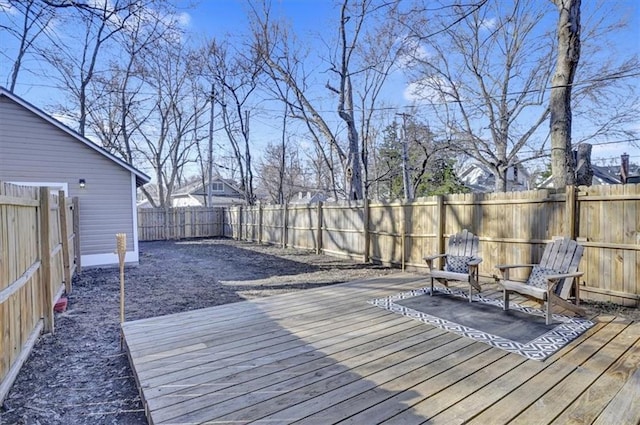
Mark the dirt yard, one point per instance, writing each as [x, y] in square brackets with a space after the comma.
[80, 376]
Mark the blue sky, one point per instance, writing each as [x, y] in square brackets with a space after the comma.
[313, 20]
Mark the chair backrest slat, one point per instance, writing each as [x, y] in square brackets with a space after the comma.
[562, 255]
[464, 243]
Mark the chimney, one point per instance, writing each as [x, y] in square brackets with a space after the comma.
[624, 168]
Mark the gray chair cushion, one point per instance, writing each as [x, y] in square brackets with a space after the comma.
[538, 275]
[457, 264]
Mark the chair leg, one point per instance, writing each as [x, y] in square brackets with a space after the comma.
[505, 299]
[474, 283]
[431, 293]
[548, 312]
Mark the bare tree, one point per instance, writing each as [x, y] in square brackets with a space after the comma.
[285, 63]
[487, 74]
[568, 33]
[121, 86]
[477, 76]
[166, 136]
[378, 55]
[100, 22]
[281, 179]
[343, 68]
[604, 93]
[236, 76]
[32, 20]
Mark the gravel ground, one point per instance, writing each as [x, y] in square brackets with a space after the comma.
[80, 376]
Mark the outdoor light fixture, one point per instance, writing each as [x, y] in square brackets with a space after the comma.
[82, 183]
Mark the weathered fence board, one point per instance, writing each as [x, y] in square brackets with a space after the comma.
[36, 264]
[179, 223]
[513, 228]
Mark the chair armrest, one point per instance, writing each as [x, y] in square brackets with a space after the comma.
[475, 261]
[563, 275]
[429, 260]
[506, 268]
[553, 279]
[433, 257]
[513, 266]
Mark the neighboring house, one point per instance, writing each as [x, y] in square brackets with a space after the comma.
[223, 194]
[480, 179]
[309, 198]
[37, 150]
[601, 175]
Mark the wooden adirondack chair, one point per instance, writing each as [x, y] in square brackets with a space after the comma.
[551, 281]
[461, 262]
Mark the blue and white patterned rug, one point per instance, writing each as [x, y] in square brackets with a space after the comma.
[564, 330]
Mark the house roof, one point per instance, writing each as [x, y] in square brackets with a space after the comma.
[201, 190]
[479, 178]
[141, 178]
[601, 175]
[196, 187]
[607, 175]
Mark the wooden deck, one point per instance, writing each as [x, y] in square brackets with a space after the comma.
[325, 355]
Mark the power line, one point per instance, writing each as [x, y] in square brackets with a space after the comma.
[405, 107]
[612, 158]
[610, 142]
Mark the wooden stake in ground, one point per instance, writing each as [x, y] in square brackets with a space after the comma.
[121, 243]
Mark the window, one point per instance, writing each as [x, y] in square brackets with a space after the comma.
[217, 187]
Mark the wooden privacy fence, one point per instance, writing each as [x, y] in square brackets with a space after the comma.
[179, 223]
[513, 228]
[38, 253]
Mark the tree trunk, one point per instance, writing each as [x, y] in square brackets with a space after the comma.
[562, 162]
[210, 147]
[283, 156]
[584, 172]
[500, 179]
[406, 180]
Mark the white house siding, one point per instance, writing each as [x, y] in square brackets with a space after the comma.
[34, 150]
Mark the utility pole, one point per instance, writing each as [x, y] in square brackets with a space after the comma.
[248, 172]
[283, 157]
[408, 196]
[210, 172]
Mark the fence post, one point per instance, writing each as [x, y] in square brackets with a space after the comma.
[260, 223]
[571, 212]
[240, 222]
[166, 223]
[64, 235]
[76, 234]
[45, 260]
[440, 225]
[403, 232]
[319, 229]
[233, 222]
[223, 219]
[367, 234]
[284, 225]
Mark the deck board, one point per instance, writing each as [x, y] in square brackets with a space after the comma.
[325, 356]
